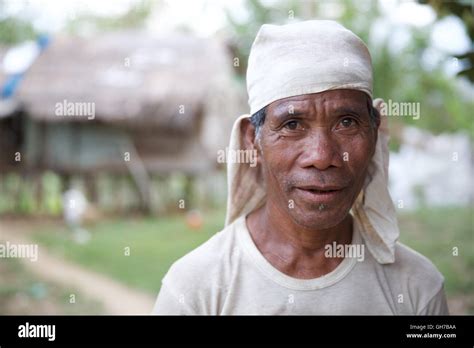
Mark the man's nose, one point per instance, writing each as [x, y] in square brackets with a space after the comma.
[321, 150]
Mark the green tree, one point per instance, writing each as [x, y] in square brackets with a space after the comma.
[135, 17]
[14, 30]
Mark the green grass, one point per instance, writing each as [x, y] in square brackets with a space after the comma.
[22, 292]
[155, 243]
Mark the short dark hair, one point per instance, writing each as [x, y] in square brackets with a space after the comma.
[258, 118]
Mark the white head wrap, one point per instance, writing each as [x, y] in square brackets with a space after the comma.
[304, 58]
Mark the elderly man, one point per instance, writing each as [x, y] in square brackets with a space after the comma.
[312, 228]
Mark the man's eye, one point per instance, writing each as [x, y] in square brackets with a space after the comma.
[292, 125]
[347, 122]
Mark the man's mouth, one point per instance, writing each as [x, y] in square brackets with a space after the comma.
[319, 194]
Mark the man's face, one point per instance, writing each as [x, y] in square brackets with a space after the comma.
[316, 149]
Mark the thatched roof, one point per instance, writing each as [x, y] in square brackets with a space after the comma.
[135, 80]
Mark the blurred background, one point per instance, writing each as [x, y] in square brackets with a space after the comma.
[112, 114]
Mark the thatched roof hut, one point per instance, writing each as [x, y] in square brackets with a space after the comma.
[172, 97]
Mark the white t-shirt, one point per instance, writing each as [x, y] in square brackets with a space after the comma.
[228, 275]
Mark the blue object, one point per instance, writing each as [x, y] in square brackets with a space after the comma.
[11, 85]
[13, 81]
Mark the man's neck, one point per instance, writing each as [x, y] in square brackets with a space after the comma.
[294, 249]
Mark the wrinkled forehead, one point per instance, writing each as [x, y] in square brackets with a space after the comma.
[328, 100]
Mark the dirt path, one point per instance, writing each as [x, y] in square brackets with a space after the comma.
[115, 297]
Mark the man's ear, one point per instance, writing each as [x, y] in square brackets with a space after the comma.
[248, 132]
[373, 108]
[377, 118]
[376, 135]
[249, 140]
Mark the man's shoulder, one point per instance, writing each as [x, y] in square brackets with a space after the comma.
[415, 271]
[414, 263]
[414, 282]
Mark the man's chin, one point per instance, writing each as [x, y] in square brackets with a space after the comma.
[319, 218]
